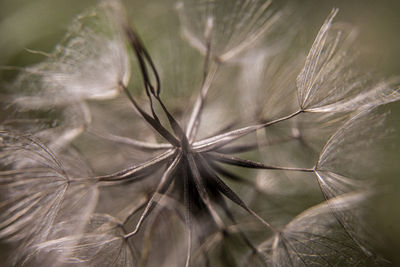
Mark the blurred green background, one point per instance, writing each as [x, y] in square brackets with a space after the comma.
[40, 24]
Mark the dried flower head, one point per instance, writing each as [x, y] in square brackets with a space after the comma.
[257, 170]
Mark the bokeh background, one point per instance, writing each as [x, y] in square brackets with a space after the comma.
[40, 24]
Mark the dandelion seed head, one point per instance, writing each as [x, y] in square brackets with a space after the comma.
[243, 154]
[231, 34]
[90, 63]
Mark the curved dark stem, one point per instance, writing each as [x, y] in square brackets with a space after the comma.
[153, 122]
[174, 124]
[143, 56]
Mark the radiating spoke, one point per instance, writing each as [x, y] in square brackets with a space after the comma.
[164, 182]
[208, 76]
[195, 117]
[188, 220]
[228, 192]
[136, 171]
[129, 141]
[201, 188]
[232, 160]
[152, 121]
[234, 149]
[215, 142]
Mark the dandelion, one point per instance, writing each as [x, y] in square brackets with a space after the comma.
[98, 169]
[317, 237]
[39, 198]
